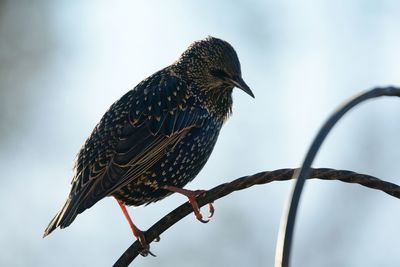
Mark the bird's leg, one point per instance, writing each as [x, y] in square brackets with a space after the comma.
[136, 231]
[191, 195]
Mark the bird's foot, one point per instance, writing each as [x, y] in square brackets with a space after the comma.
[145, 246]
[191, 195]
[137, 232]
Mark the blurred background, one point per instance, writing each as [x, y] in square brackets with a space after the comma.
[63, 63]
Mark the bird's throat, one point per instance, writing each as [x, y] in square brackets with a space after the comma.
[219, 102]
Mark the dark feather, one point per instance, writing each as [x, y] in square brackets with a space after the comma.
[129, 142]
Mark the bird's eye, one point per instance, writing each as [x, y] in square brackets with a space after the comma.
[219, 73]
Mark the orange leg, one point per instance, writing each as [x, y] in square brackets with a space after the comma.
[191, 195]
[136, 231]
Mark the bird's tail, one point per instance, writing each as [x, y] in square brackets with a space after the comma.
[63, 218]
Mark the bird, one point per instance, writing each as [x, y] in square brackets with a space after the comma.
[158, 136]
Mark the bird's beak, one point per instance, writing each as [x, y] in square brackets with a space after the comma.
[239, 83]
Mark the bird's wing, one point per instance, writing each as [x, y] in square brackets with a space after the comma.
[152, 117]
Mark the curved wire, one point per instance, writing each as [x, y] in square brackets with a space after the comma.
[285, 236]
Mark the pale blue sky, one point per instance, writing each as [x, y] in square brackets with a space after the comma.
[63, 63]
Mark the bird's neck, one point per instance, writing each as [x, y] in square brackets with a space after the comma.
[218, 102]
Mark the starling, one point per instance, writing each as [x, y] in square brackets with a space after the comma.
[158, 136]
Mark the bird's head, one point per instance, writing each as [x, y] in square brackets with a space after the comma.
[214, 65]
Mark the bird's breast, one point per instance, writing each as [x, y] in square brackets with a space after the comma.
[184, 160]
[180, 165]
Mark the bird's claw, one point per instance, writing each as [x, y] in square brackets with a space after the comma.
[145, 246]
[199, 216]
[196, 209]
[204, 221]
[146, 252]
[191, 195]
[211, 210]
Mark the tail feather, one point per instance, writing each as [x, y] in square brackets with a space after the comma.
[63, 218]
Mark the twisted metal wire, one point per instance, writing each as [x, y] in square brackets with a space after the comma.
[245, 182]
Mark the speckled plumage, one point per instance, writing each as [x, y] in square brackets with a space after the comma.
[160, 133]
